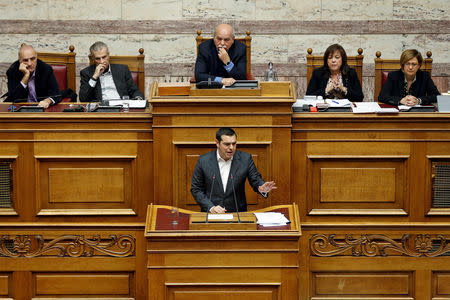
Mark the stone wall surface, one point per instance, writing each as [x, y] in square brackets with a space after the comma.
[281, 31]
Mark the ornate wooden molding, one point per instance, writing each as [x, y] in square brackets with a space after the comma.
[67, 245]
[371, 245]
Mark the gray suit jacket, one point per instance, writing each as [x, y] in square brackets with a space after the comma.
[122, 79]
[207, 176]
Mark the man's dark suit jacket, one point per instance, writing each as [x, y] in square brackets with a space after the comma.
[45, 83]
[122, 79]
[207, 168]
[208, 64]
[319, 80]
[393, 88]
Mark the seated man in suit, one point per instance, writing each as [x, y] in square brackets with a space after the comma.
[222, 59]
[220, 176]
[105, 81]
[32, 80]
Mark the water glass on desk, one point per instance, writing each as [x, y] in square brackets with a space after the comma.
[125, 104]
[175, 214]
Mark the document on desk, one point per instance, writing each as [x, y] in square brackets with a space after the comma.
[271, 219]
[131, 103]
[366, 107]
[220, 216]
[338, 103]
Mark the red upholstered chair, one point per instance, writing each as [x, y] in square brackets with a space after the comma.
[63, 65]
[316, 61]
[384, 66]
[247, 41]
[134, 63]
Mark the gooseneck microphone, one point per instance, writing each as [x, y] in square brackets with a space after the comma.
[234, 196]
[210, 195]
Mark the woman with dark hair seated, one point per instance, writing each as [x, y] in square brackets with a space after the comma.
[335, 79]
[409, 85]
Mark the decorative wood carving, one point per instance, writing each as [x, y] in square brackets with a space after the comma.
[67, 245]
[370, 245]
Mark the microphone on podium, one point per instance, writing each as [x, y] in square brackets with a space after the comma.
[210, 195]
[235, 200]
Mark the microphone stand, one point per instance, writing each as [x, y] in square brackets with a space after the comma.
[235, 200]
[210, 195]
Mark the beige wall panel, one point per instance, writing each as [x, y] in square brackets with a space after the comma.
[272, 48]
[299, 44]
[152, 10]
[82, 284]
[288, 10]
[23, 9]
[365, 10]
[218, 10]
[426, 9]
[85, 10]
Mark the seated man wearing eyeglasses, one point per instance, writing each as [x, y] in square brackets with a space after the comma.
[409, 85]
[222, 58]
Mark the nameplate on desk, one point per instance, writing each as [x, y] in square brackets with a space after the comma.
[203, 221]
[173, 88]
[30, 109]
[131, 103]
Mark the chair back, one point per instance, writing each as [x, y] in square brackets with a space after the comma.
[316, 61]
[63, 65]
[384, 66]
[134, 62]
[247, 41]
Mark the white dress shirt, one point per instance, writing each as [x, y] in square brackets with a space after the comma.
[109, 91]
[224, 167]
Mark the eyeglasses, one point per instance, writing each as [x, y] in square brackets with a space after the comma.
[411, 65]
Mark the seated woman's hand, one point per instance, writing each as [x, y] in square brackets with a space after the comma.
[409, 100]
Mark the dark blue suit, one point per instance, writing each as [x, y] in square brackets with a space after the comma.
[242, 167]
[208, 64]
[45, 83]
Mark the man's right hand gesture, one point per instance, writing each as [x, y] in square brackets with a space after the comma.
[99, 71]
[26, 73]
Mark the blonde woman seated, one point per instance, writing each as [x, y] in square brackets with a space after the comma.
[409, 85]
[335, 79]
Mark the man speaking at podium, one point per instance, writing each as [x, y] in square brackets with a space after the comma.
[218, 182]
[222, 59]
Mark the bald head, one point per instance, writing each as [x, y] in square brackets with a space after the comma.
[28, 56]
[224, 38]
[25, 48]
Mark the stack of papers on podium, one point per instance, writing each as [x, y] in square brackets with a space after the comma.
[271, 219]
[338, 103]
[366, 107]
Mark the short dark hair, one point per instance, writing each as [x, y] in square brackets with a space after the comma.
[330, 50]
[224, 131]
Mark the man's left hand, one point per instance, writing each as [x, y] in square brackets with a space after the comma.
[223, 56]
[45, 103]
[267, 187]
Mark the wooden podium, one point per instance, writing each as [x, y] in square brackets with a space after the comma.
[184, 127]
[261, 263]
